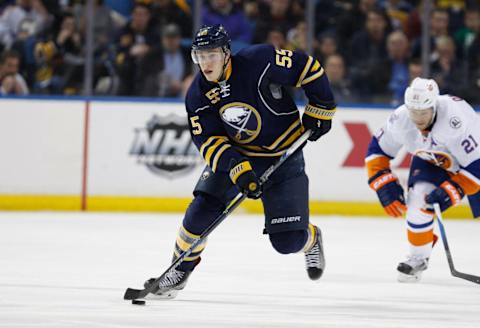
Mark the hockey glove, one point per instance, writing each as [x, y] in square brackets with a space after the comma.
[389, 192]
[448, 194]
[246, 180]
[318, 119]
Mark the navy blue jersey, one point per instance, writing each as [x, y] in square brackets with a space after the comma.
[251, 113]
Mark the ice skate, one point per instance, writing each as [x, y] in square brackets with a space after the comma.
[168, 287]
[411, 269]
[314, 258]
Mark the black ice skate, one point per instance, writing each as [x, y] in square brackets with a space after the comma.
[411, 270]
[314, 257]
[168, 287]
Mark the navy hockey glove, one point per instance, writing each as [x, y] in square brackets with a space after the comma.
[389, 192]
[246, 180]
[448, 194]
[318, 119]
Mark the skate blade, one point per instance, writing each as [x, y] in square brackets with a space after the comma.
[164, 296]
[409, 278]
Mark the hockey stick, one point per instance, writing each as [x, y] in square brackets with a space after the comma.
[134, 294]
[455, 273]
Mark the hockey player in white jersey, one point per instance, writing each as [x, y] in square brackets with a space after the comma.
[442, 132]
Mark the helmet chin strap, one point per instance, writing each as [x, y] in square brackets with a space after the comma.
[222, 76]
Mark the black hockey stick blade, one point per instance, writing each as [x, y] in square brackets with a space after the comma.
[133, 294]
[466, 276]
[455, 273]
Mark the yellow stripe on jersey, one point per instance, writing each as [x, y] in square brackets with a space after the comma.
[211, 149]
[313, 77]
[304, 72]
[292, 127]
[217, 156]
[207, 143]
[292, 138]
[261, 154]
[315, 67]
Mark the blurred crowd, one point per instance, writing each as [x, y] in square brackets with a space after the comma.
[370, 49]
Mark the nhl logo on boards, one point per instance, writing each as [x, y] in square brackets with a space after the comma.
[165, 147]
[455, 122]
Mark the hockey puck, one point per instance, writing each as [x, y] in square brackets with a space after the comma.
[138, 302]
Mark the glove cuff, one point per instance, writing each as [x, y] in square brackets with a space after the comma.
[381, 179]
[319, 113]
[239, 169]
[454, 191]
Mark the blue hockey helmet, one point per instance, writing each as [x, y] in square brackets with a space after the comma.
[210, 37]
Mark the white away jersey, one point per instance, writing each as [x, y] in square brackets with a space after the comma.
[453, 143]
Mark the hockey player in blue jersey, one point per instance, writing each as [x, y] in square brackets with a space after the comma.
[242, 119]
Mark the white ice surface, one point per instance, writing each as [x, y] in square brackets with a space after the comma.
[71, 270]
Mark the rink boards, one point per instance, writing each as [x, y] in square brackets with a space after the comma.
[138, 156]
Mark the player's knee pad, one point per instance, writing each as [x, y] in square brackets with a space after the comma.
[419, 219]
[286, 205]
[417, 213]
[288, 241]
[201, 212]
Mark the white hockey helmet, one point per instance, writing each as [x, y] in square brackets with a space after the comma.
[422, 94]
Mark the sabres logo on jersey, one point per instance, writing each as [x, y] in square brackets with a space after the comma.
[436, 157]
[242, 121]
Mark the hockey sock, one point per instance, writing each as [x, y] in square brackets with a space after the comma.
[420, 232]
[183, 242]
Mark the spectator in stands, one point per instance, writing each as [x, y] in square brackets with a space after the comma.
[455, 10]
[398, 55]
[339, 83]
[438, 27]
[327, 46]
[353, 20]
[277, 38]
[297, 37]
[106, 22]
[369, 71]
[415, 69]
[279, 14]
[225, 12]
[26, 16]
[464, 37]
[397, 11]
[328, 13]
[69, 44]
[138, 60]
[11, 82]
[173, 12]
[446, 69]
[176, 62]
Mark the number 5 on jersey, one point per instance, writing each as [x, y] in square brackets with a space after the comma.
[196, 127]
